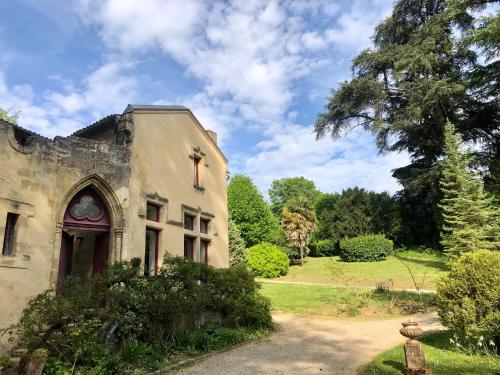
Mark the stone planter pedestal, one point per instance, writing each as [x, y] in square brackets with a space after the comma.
[414, 355]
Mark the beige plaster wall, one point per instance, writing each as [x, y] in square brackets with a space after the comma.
[163, 170]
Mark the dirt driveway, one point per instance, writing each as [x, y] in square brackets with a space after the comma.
[310, 345]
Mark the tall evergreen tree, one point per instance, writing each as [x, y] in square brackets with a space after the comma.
[237, 251]
[355, 211]
[432, 60]
[251, 213]
[470, 219]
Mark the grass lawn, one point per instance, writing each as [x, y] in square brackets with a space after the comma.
[439, 355]
[335, 301]
[331, 270]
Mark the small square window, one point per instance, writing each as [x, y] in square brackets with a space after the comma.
[188, 222]
[204, 226]
[152, 212]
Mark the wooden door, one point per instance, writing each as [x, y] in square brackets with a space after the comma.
[100, 253]
[65, 258]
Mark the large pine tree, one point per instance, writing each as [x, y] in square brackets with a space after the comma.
[432, 60]
[470, 219]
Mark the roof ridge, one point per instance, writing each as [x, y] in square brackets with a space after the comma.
[29, 132]
[93, 125]
[132, 107]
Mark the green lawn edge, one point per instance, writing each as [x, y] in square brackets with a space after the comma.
[440, 356]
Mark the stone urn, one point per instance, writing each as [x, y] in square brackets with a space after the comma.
[414, 355]
[411, 330]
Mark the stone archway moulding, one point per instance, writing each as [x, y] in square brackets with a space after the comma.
[101, 187]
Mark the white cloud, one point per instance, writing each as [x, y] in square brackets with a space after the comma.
[108, 89]
[333, 165]
[355, 28]
[249, 57]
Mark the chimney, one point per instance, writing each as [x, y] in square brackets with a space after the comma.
[212, 135]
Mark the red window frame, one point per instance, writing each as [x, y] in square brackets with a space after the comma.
[10, 228]
[197, 172]
[157, 237]
[204, 225]
[189, 247]
[157, 212]
[189, 221]
[204, 244]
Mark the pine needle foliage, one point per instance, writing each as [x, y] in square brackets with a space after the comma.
[470, 217]
[237, 251]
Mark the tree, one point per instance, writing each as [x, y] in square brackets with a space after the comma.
[251, 213]
[237, 251]
[431, 61]
[326, 212]
[284, 190]
[354, 212]
[6, 116]
[470, 220]
[299, 221]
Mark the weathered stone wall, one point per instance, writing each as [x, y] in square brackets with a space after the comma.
[138, 157]
[35, 179]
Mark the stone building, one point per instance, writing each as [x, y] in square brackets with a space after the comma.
[145, 183]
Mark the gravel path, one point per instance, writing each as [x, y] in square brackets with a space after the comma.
[310, 345]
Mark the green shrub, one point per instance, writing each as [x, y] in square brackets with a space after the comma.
[367, 248]
[213, 337]
[323, 248]
[468, 297]
[120, 320]
[267, 260]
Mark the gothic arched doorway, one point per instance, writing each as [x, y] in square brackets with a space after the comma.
[85, 236]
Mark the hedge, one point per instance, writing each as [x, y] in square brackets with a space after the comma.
[366, 248]
[323, 248]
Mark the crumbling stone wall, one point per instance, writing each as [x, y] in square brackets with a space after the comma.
[35, 175]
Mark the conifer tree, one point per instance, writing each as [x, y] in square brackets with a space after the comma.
[470, 219]
[251, 213]
[237, 251]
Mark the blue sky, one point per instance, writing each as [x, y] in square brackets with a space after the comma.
[256, 72]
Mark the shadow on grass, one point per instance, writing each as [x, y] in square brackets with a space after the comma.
[439, 264]
[395, 365]
[440, 340]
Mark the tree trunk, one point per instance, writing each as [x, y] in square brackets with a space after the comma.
[301, 256]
